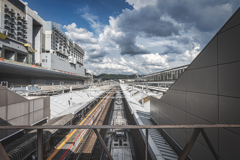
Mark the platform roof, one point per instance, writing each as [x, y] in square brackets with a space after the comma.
[35, 72]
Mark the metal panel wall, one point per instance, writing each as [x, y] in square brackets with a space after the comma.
[207, 93]
[17, 110]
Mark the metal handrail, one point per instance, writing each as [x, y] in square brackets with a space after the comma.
[198, 128]
[193, 126]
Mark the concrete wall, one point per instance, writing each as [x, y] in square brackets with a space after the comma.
[36, 33]
[207, 93]
[58, 63]
[48, 39]
[14, 45]
[35, 16]
[29, 29]
[17, 110]
[37, 39]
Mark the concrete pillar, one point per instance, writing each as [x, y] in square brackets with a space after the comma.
[15, 56]
[2, 53]
[71, 96]
[40, 144]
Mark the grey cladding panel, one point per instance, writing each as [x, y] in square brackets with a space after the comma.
[229, 79]
[180, 136]
[207, 57]
[211, 133]
[154, 102]
[179, 84]
[202, 80]
[165, 97]
[228, 46]
[163, 120]
[177, 99]
[192, 119]
[46, 101]
[153, 113]
[165, 109]
[3, 97]
[229, 145]
[3, 112]
[15, 98]
[229, 109]
[177, 116]
[203, 105]
[200, 152]
[235, 20]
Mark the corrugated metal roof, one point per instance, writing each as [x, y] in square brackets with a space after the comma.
[162, 145]
[59, 104]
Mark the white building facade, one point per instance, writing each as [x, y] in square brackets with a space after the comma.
[26, 38]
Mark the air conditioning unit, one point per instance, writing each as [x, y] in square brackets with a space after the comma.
[74, 60]
[70, 59]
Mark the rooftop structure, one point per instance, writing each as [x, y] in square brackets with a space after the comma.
[165, 75]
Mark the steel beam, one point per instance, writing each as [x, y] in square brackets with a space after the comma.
[103, 144]
[124, 126]
[146, 145]
[209, 144]
[40, 144]
[3, 153]
[189, 144]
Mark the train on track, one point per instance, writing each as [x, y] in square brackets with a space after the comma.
[74, 139]
[118, 140]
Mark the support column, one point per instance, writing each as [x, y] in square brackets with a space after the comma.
[15, 56]
[209, 144]
[3, 153]
[189, 144]
[103, 144]
[40, 144]
[2, 53]
[147, 88]
[146, 145]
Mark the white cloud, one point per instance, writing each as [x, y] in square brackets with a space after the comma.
[80, 35]
[137, 4]
[154, 35]
[93, 20]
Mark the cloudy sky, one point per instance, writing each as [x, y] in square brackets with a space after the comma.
[137, 36]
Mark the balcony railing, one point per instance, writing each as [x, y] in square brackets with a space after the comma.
[12, 22]
[8, 25]
[19, 22]
[8, 14]
[12, 11]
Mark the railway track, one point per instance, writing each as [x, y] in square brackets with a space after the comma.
[75, 139]
[135, 139]
[89, 145]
